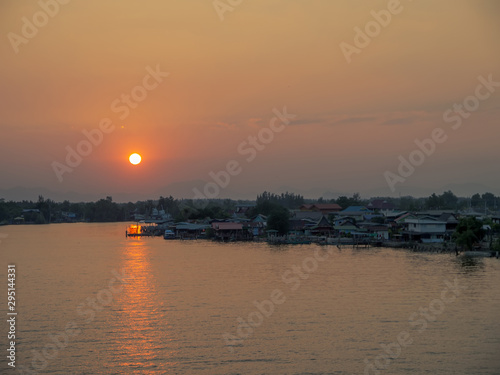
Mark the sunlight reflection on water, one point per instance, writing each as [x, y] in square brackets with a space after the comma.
[182, 296]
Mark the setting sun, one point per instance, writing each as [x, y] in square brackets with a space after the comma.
[135, 159]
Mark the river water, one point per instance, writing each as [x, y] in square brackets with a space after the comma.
[90, 301]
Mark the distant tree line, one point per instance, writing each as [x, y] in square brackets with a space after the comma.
[449, 201]
[46, 211]
[287, 200]
[269, 204]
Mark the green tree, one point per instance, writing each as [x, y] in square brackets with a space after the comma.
[476, 201]
[345, 202]
[149, 206]
[488, 200]
[40, 219]
[496, 245]
[288, 200]
[449, 200]
[65, 206]
[212, 211]
[45, 207]
[4, 212]
[170, 205]
[278, 220]
[409, 203]
[265, 207]
[468, 232]
[356, 199]
[433, 202]
[210, 233]
[104, 210]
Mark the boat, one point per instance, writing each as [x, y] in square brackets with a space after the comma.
[169, 235]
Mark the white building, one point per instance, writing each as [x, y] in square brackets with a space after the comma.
[425, 229]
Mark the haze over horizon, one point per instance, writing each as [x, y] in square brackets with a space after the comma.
[183, 191]
[213, 80]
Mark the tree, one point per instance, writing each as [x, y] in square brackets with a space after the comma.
[40, 219]
[468, 232]
[170, 205]
[65, 206]
[210, 233]
[265, 206]
[408, 203]
[433, 202]
[345, 202]
[356, 199]
[278, 220]
[212, 211]
[104, 210]
[149, 205]
[488, 200]
[496, 245]
[44, 205]
[288, 200]
[449, 200]
[476, 201]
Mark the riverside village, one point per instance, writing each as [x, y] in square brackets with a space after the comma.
[438, 223]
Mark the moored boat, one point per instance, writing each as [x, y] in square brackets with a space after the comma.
[169, 235]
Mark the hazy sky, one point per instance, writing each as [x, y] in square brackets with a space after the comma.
[228, 70]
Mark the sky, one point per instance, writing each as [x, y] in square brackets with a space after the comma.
[186, 83]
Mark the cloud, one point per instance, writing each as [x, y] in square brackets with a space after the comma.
[255, 123]
[400, 121]
[223, 126]
[355, 120]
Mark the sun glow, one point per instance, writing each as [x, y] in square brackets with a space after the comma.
[135, 159]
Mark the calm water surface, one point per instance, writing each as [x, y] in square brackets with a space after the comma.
[91, 301]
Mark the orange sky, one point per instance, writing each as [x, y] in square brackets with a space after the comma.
[226, 77]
